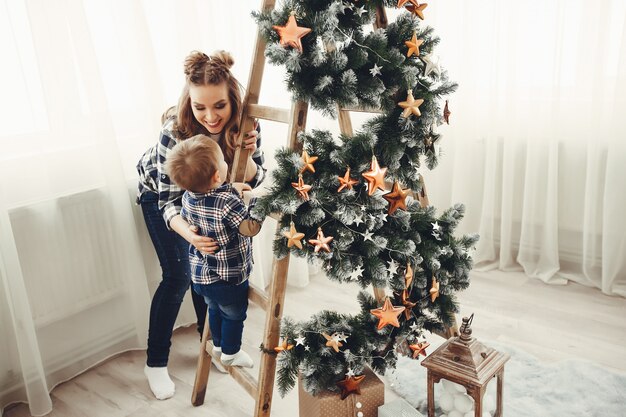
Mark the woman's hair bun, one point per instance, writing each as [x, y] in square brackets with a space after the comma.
[194, 61]
[224, 58]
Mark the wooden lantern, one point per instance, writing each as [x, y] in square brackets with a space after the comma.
[467, 362]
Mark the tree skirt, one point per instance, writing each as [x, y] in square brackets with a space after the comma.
[572, 387]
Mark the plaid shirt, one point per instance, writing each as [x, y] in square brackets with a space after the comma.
[152, 176]
[218, 214]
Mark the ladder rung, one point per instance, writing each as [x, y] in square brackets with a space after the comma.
[258, 297]
[361, 109]
[243, 377]
[269, 113]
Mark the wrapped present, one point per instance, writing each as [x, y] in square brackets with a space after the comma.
[398, 408]
[329, 403]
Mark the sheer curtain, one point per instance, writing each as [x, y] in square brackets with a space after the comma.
[535, 146]
[88, 81]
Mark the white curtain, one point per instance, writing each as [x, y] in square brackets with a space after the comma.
[536, 142]
[535, 149]
[87, 82]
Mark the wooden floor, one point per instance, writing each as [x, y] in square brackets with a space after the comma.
[550, 322]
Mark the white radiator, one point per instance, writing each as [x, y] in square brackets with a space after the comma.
[67, 253]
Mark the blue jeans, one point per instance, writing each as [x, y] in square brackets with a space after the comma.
[173, 253]
[228, 304]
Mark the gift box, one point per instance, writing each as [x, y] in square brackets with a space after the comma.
[398, 408]
[329, 403]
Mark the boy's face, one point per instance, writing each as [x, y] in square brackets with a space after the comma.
[211, 106]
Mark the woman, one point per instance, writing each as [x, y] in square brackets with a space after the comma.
[210, 103]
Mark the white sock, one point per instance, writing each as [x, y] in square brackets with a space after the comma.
[160, 383]
[217, 356]
[240, 358]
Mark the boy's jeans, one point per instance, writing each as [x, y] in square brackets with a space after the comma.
[228, 304]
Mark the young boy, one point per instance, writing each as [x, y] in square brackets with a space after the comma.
[217, 210]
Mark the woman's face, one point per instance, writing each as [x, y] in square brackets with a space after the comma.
[211, 106]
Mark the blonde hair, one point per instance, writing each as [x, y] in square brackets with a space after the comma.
[200, 70]
[192, 163]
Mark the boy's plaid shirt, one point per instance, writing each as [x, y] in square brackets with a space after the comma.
[218, 214]
[153, 178]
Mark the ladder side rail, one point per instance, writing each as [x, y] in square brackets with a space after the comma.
[240, 159]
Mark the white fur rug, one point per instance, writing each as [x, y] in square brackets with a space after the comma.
[570, 388]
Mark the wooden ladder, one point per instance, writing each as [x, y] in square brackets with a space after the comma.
[261, 389]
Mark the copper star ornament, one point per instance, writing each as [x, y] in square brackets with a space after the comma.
[350, 385]
[434, 290]
[419, 349]
[408, 304]
[396, 198]
[411, 105]
[408, 276]
[416, 9]
[294, 238]
[302, 188]
[375, 177]
[333, 341]
[401, 3]
[387, 314]
[291, 34]
[283, 347]
[446, 113]
[413, 45]
[321, 243]
[308, 162]
[346, 182]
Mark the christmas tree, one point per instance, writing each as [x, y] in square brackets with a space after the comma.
[334, 194]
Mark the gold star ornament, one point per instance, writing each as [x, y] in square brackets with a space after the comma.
[308, 162]
[419, 349]
[333, 341]
[291, 34]
[322, 242]
[413, 45]
[434, 290]
[283, 347]
[375, 177]
[294, 238]
[302, 188]
[387, 314]
[346, 182]
[396, 198]
[411, 105]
